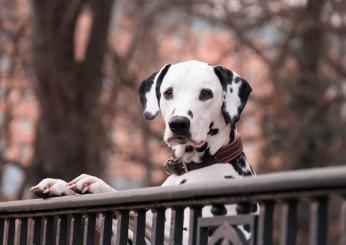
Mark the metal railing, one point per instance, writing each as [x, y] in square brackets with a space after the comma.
[295, 207]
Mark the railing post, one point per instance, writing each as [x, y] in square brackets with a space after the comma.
[343, 222]
[139, 227]
[106, 228]
[265, 224]
[23, 231]
[62, 230]
[48, 230]
[2, 230]
[37, 231]
[122, 227]
[11, 231]
[177, 223]
[158, 229]
[76, 225]
[289, 222]
[195, 213]
[318, 221]
[89, 229]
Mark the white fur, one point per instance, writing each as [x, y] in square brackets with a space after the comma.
[187, 80]
[232, 99]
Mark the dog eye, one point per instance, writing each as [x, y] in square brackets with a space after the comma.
[168, 94]
[205, 94]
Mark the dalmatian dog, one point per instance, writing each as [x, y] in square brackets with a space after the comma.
[200, 105]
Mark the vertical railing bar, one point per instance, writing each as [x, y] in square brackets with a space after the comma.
[289, 222]
[89, 229]
[195, 213]
[11, 231]
[122, 227]
[23, 237]
[2, 230]
[202, 235]
[157, 235]
[265, 224]
[139, 227]
[106, 228]
[318, 221]
[48, 230]
[177, 225]
[61, 237]
[343, 223]
[37, 231]
[76, 229]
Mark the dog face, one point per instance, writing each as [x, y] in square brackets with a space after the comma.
[192, 96]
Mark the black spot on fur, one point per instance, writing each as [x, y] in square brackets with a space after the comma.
[190, 114]
[159, 81]
[185, 229]
[226, 77]
[173, 153]
[217, 210]
[189, 148]
[145, 87]
[228, 177]
[211, 124]
[213, 131]
[231, 90]
[232, 134]
[238, 164]
[242, 163]
[243, 93]
[246, 207]
[173, 111]
[206, 156]
[247, 227]
[182, 182]
[202, 148]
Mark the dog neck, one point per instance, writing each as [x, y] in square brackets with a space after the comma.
[219, 135]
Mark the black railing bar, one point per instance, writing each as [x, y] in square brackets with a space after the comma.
[333, 177]
[304, 195]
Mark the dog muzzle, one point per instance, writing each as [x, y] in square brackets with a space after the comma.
[225, 154]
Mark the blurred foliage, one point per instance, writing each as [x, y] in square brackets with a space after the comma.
[79, 64]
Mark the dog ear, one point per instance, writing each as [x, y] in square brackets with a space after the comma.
[149, 93]
[236, 91]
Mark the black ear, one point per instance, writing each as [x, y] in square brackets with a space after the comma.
[236, 91]
[149, 93]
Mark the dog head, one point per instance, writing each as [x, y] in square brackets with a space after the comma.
[193, 98]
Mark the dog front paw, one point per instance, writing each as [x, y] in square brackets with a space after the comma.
[89, 184]
[51, 188]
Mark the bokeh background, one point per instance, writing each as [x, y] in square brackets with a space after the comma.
[70, 69]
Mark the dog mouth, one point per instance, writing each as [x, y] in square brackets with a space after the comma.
[179, 140]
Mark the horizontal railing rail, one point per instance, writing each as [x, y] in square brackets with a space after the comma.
[90, 218]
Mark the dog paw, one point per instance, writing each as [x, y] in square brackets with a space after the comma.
[51, 188]
[89, 184]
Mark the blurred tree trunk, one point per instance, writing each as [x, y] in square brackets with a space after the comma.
[308, 89]
[70, 134]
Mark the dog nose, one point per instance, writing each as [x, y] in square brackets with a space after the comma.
[179, 125]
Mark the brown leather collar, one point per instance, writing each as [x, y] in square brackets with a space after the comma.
[225, 154]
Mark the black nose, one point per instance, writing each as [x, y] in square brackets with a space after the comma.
[180, 125]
